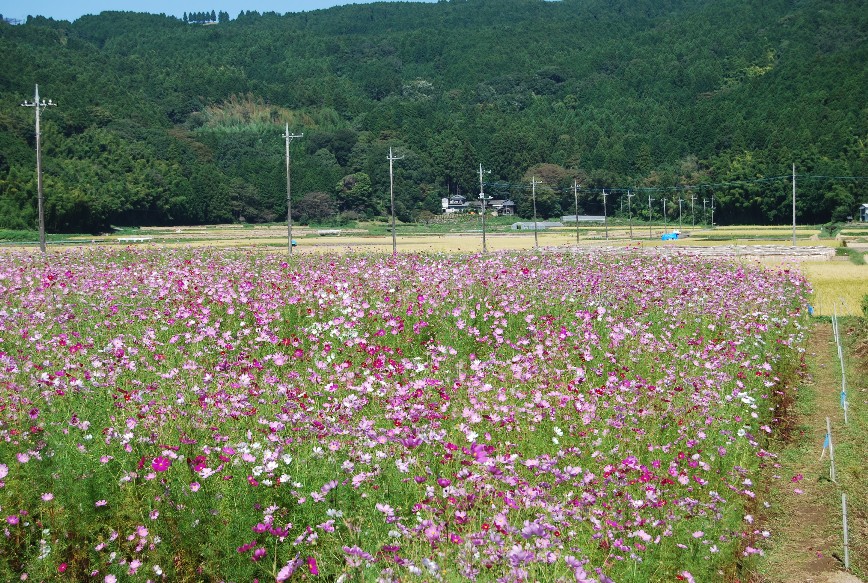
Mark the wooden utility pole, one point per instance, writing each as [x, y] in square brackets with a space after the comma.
[289, 137]
[533, 183]
[605, 215]
[391, 159]
[483, 198]
[576, 194]
[38, 106]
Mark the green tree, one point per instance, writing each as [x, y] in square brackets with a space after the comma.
[316, 207]
[354, 193]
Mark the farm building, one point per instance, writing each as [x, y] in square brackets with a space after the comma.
[863, 212]
[583, 218]
[455, 204]
[459, 204]
[540, 225]
[502, 207]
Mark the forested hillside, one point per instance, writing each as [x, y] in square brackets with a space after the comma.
[161, 121]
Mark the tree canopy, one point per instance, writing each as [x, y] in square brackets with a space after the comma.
[162, 121]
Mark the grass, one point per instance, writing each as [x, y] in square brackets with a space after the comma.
[806, 504]
[18, 236]
[857, 256]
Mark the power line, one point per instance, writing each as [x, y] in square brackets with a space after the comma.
[684, 188]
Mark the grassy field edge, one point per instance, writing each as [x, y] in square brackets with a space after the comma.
[805, 517]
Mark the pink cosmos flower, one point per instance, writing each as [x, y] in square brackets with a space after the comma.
[161, 464]
[286, 572]
[47, 497]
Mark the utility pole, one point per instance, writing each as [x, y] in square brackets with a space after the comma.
[712, 210]
[650, 236]
[576, 194]
[794, 204]
[38, 106]
[605, 215]
[483, 198]
[289, 137]
[679, 212]
[692, 211]
[533, 183]
[391, 159]
[630, 211]
[704, 215]
[665, 228]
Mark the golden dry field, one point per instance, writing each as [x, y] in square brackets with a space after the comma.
[838, 286]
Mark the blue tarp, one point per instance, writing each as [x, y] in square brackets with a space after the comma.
[669, 237]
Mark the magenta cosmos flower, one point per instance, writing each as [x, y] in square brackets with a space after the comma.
[161, 464]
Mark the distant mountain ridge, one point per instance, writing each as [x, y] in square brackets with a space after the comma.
[653, 94]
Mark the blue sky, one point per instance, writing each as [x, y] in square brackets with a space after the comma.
[73, 9]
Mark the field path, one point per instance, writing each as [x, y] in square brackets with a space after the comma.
[806, 520]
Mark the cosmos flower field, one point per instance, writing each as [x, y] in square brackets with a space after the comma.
[234, 416]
